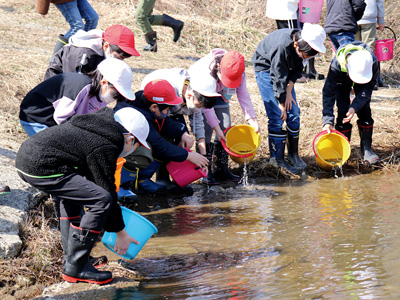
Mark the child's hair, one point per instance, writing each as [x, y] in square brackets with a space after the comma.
[303, 45]
[95, 88]
[206, 102]
[115, 48]
[216, 67]
[148, 103]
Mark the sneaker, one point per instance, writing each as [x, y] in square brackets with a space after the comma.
[4, 189]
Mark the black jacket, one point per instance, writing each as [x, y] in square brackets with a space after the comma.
[69, 59]
[37, 106]
[342, 15]
[161, 148]
[337, 79]
[88, 145]
[277, 55]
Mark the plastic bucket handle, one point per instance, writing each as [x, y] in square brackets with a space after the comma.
[229, 150]
[394, 34]
[323, 133]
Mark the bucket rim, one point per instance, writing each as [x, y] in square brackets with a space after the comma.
[123, 208]
[317, 137]
[230, 152]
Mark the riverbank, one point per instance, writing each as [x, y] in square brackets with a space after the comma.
[26, 44]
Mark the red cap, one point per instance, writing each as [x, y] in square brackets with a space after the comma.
[122, 37]
[232, 68]
[161, 92]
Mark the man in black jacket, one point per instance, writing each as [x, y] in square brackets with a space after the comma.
[341, 20]
[76, 162]
[354, 67]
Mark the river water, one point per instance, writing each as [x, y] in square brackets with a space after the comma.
[336, 238]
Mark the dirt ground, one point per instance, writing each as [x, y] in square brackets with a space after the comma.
[27, 41]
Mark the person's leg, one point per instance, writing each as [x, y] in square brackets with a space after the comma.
[276, 135]
[286, 24]
[145, 19]
[365, 128]
[341, 38]
[32, 128]
[368, 35]
[343, 103]
[88, 14]
[71, 13]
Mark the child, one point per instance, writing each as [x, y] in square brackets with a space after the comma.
[354, 67]
[87, 49]
[278, 62]
[227, 69]
[197, 93]
[154, 102]
[76, 162]
[56, 99]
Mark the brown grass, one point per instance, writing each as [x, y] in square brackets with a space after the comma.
[27, 41]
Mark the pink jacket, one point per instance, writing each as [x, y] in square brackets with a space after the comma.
[205, 64]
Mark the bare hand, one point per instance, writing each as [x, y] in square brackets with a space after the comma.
[349, 115]
[253, 123]
[219, 133]
[327, 127]
[283, 111]
[187, 141]
[123, 241]
[197, 159]
[289, 101]
[381, 27]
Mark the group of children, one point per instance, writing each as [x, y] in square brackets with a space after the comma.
[75, 138]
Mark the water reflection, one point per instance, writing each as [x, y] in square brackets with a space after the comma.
[323, 239]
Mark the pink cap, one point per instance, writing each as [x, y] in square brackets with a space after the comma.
[122, 37]
[232, 68]
[160, 91]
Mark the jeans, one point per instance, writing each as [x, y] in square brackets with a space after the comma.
[341, 38]
[32, 128]
[74, 12]
[275, 123]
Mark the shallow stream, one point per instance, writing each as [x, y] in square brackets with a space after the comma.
[336, 238]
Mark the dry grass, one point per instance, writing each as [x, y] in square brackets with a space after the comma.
[26, 43]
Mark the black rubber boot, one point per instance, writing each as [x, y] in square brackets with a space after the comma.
[345, 130]
[77, 266]
[176, 25]
[64, 228]
[221, 169]
[210, 180]
[61, 42]
[277, 149]
[368, 155]
[293, 152]
[151, 39]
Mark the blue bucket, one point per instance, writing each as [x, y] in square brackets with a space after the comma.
[136, 226]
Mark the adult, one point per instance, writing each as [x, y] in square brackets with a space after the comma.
[354, 67]
[278, 62]
[145, 19]
[86, 50]
[227, 69]
[76, 162]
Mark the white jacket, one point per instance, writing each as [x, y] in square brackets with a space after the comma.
[374, 12]
[282, 9]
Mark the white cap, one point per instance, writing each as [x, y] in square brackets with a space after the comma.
[359, 66]
[135, 122]
[119, 74]
[315, 36]
[204, 84]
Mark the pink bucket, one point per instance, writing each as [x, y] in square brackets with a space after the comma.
[185, 172]
[384, 48]
[310, 10]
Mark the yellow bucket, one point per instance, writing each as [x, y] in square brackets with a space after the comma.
[242, 143]
[331, 149]
[117, 175]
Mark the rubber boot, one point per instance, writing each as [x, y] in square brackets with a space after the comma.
[151, 39]
[61, 42]
[277, 149]
[162, 178]
[293, 152]
[64, 228]
[176, 25]
[125, 193]
[210, 179]
[143, 184]
[4, 189]
[221, 169]
[345, 130]
[77, 266]
[366, 140]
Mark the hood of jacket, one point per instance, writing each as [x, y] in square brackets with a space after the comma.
[92, 39]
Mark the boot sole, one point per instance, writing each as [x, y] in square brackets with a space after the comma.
[75, 280]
